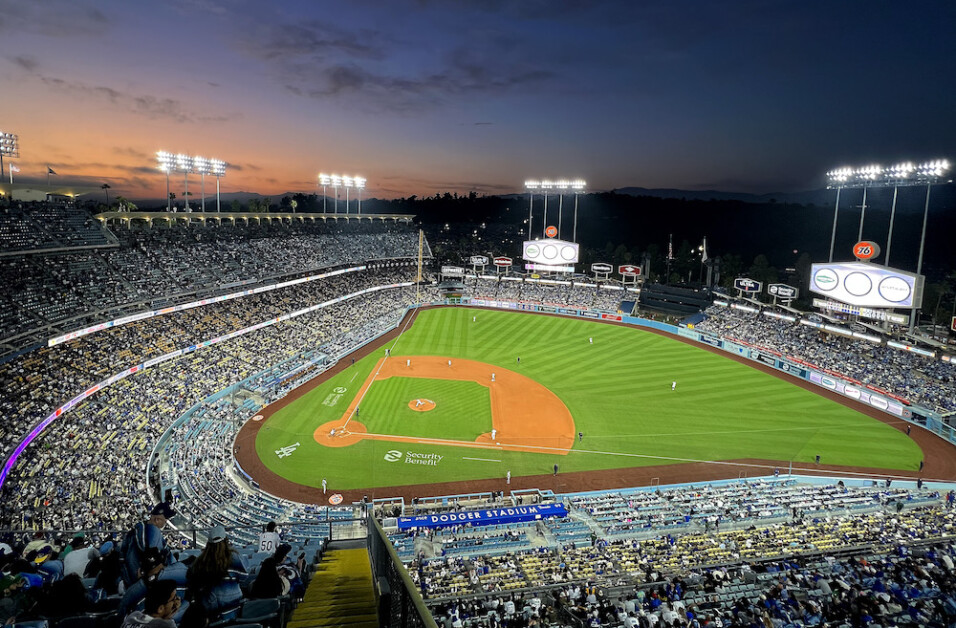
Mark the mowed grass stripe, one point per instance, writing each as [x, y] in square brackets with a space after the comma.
[618, 391]
[385, 409]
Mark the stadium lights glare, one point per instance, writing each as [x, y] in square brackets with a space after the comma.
[561, 186]
[9, 147]
[901, 174]
[186, 164]
[342, 181]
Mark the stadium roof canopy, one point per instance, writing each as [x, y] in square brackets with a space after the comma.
[33, 191]
[242, 216]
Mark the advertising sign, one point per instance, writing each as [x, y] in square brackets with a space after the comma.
[548, 268]
[629, 270]
[866, 285]
[866, 250]
[747, 285]
[601, 268]
[478, 260]
[503, 262]
[453, 271]
[492, 516]
[783, 291]
[550, 251]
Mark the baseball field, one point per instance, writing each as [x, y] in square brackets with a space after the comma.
[466, 395]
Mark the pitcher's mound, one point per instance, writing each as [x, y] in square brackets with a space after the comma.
[421, 405]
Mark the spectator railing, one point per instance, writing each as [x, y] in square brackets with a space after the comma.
[405, 605]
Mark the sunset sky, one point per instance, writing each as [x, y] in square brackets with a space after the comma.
[425, 96]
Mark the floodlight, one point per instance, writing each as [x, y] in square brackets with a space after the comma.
[347, 181]
[547, 185]
[9, 144]
[183, 163]
[935, 168]
[336, 180]
[532, 185]
[166, 161]
[578, 184]
[325, 179]
[217, 167]
[359, 182]
[200, 165]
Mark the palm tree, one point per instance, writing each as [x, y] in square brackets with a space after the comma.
[106, 186]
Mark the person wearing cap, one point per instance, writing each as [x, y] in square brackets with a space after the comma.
[214, 576]
[162, 603]
[145, 534]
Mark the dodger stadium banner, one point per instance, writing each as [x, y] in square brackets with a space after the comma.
[489, 517]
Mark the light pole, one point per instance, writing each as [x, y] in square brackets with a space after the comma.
[324, 180]
[217, 168]
[531, 186]
[578, 186]
[9, 146]
[200, 165]
[336, 182]
[899, 175]
[545, 186]
[184, 165]
[359, 185]
[166, 164]
[347, 182]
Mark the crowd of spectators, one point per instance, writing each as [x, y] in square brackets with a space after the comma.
[87, 469]
[856, 555]
[920, 380]
[578, 293]
[138, 268]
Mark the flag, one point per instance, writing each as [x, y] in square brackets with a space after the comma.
[703, 257]
[50, 170]
[13, 168]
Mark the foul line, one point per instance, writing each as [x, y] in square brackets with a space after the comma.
[480, 459]
[388, 354]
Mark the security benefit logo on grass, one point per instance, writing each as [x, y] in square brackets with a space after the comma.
[413, 457]
[334, 396]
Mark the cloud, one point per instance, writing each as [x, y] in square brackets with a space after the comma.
[147, 105]
[380, 71]
[25, 62]
[53, 18]
[313, 40]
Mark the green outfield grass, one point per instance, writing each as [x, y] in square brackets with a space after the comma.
[618, 390]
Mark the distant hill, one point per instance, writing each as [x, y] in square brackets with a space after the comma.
[817, 197]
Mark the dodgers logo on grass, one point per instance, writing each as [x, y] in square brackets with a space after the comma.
[393, 455]
[287, 450]
[339, 389]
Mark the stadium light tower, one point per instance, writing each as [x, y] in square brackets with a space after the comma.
[359, 185]
[578, 186]
[336, 184]
[898, 175]
[545, 186]
[531, 186]
[561, 185]
[348, 182]
[167, 163]
[930, 172]
[217, 168]
[200, 165]
[324, 180]
[9, 147]
[184, 164]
